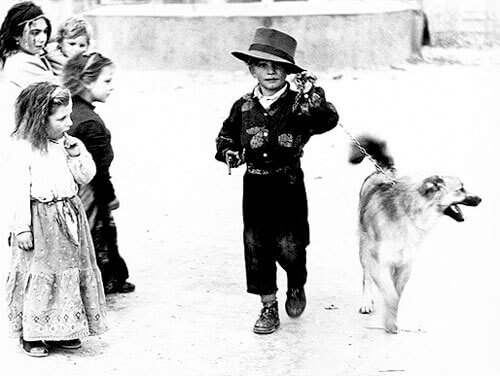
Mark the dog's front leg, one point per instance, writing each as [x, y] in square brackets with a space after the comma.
[367, 259]
[390, 298]
[367, 304]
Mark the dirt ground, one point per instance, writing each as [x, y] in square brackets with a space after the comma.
[180, 232]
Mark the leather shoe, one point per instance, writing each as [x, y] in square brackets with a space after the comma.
[69, 344]
[268, 320]
[295, 302]
[37, 349]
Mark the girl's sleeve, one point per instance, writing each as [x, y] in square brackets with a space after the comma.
[19, 185]
[229, 135]
[82, 167]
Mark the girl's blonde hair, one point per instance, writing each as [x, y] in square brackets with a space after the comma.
[74, 27]
[83, 68]
[33, 107]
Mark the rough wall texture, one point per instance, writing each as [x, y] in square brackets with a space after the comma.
[324, 41]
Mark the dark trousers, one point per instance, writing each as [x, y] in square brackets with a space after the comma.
[275, 230]
[113, 268]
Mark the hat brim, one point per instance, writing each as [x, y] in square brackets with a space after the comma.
[244, 56]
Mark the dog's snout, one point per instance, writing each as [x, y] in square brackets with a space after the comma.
[472, 201]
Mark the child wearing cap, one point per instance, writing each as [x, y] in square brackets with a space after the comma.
[267, 130]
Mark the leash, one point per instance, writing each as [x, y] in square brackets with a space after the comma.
[367, 155]
[301, 79]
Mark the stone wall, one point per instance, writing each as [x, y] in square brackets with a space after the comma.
[181, 37]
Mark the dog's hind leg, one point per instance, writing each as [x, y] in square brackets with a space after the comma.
[390, 296]
[400, 276]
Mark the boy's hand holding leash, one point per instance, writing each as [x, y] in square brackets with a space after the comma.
[307, 97]
[25, 240]
[72, 145]
[233, 159]
[305, 81]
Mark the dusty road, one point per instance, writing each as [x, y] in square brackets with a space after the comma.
[180, 232]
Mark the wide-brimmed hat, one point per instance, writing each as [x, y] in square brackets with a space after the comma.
[273, 45]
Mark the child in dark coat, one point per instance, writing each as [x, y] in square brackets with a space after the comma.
[89, 78]
[267, 129]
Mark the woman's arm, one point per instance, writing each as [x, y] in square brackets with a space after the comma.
[23, 71]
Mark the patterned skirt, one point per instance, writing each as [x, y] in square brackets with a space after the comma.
[55, 291]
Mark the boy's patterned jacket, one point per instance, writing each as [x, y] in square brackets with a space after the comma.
[273, 140]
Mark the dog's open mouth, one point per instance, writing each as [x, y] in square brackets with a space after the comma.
[454, 211]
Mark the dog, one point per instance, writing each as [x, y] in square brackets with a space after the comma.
[395, 215]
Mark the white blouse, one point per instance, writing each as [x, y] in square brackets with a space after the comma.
[43, 176]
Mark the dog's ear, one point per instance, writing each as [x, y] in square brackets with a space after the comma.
[431, 185]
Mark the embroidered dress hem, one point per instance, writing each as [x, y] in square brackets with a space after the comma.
[55, 291]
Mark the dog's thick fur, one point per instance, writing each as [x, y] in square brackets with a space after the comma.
[394, 217]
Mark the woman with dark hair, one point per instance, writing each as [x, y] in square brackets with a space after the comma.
[24, 34]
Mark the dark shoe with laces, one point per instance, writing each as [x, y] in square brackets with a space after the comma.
[268, 320]
[295, 302]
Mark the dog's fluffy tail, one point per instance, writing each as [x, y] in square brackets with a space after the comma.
[377, 149]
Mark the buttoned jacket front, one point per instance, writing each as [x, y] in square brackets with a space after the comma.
[274, 138]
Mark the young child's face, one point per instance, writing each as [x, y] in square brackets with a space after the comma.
[59, 121]
[71, 46]
[101, 88]
[270, 75]
[34, 38]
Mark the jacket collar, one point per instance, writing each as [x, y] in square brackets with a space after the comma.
[78, 99]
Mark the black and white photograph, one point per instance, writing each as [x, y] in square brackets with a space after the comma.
[249, 187]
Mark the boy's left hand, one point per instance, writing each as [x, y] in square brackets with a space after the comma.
[305, 81]
[72, 145]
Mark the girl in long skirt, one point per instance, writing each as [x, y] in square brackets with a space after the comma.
[54, 294]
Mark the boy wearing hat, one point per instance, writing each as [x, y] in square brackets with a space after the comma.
[267, 129]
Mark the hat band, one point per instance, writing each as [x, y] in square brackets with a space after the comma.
[271, 50]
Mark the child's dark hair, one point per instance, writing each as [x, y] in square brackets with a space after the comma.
[14, 23]
[33, 107]
[83, 68]
[74, 27]
[252, 61]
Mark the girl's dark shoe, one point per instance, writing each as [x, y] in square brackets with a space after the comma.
[70, 344]
[295, 302]
[37, 349]
[268, 321]
[126, 287]
[112, 287]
